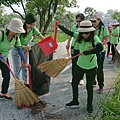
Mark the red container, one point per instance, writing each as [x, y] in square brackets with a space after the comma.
[48, 45]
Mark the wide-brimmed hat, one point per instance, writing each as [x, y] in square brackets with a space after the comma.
[114, 22]
[86, 26]
[16, 26]
[95, 17]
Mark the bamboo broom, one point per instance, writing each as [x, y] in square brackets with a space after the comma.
[54, 67]
[23, 95]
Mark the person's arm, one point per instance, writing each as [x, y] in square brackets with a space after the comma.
[98, 48]
[2, 58]
[106, 40]
[19, 49]
[65, 30]
[41, 37]
[68, 42]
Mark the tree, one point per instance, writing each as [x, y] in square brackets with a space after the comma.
[1, 15]
[45, 9]
[89, 12]
[116, 15]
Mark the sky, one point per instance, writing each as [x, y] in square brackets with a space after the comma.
[99, 5]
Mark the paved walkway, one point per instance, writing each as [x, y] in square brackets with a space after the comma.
[60, 93]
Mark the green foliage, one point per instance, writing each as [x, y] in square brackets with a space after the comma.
[111, 106]
[116, 15]
[89, 11]
[61, 37]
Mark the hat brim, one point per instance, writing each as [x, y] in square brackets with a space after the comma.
[85, 29]
[115, 24]
[20, 30]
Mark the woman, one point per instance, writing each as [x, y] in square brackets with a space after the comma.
[25, 38]
[114, 37]
[109, 43]
[89, 45]
[74, 45]
[9, 39]
[102, 32]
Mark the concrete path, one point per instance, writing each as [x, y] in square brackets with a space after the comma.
[60, 93]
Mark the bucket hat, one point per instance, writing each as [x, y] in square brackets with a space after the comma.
[16, 26]
[86, 26]
[114, 22]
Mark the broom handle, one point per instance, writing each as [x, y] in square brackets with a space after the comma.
[56, 29]
[81, 53]
[10, 70]
[22, 64]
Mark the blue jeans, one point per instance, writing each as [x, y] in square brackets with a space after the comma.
[17, 63]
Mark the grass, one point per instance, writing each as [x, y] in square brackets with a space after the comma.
[111, 107]
[61, 37]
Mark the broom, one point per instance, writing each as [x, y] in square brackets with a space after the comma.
[23, 95]
[54, 67]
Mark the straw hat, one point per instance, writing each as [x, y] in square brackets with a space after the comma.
[16, 26]
[85, 26]
[114, 22]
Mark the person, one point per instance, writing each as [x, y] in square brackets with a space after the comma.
[89, 45]
[25, 38]
[102, 32]
[9, 39]
[74, 45]
[114, 38]
[109, 43]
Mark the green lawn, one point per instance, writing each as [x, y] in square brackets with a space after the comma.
[61, 37]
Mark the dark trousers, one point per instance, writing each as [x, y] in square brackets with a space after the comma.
[100, 73]
[74, 61]
[90, 77]
[113, 50]
[6, 77]
[109, 47]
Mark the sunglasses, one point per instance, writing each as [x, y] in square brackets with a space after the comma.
[78, 21]
[86, 33]
[93, 21]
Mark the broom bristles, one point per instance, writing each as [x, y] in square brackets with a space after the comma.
[23, 95]
[54, 67]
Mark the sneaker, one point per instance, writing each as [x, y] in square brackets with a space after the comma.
[101, 90]
[81, 82]
[89, 108]
[95, 83]
[5, 97]
[72, 104]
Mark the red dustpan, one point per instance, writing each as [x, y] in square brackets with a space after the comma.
[49, 44]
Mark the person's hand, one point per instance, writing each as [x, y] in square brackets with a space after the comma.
[57, 23]
[28, 66]
[67, 46]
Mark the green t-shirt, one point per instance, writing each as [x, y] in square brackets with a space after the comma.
[74, 44]
[103, 33]
[6, 45]
[26, 40]
[114, 39]
[88, 61]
